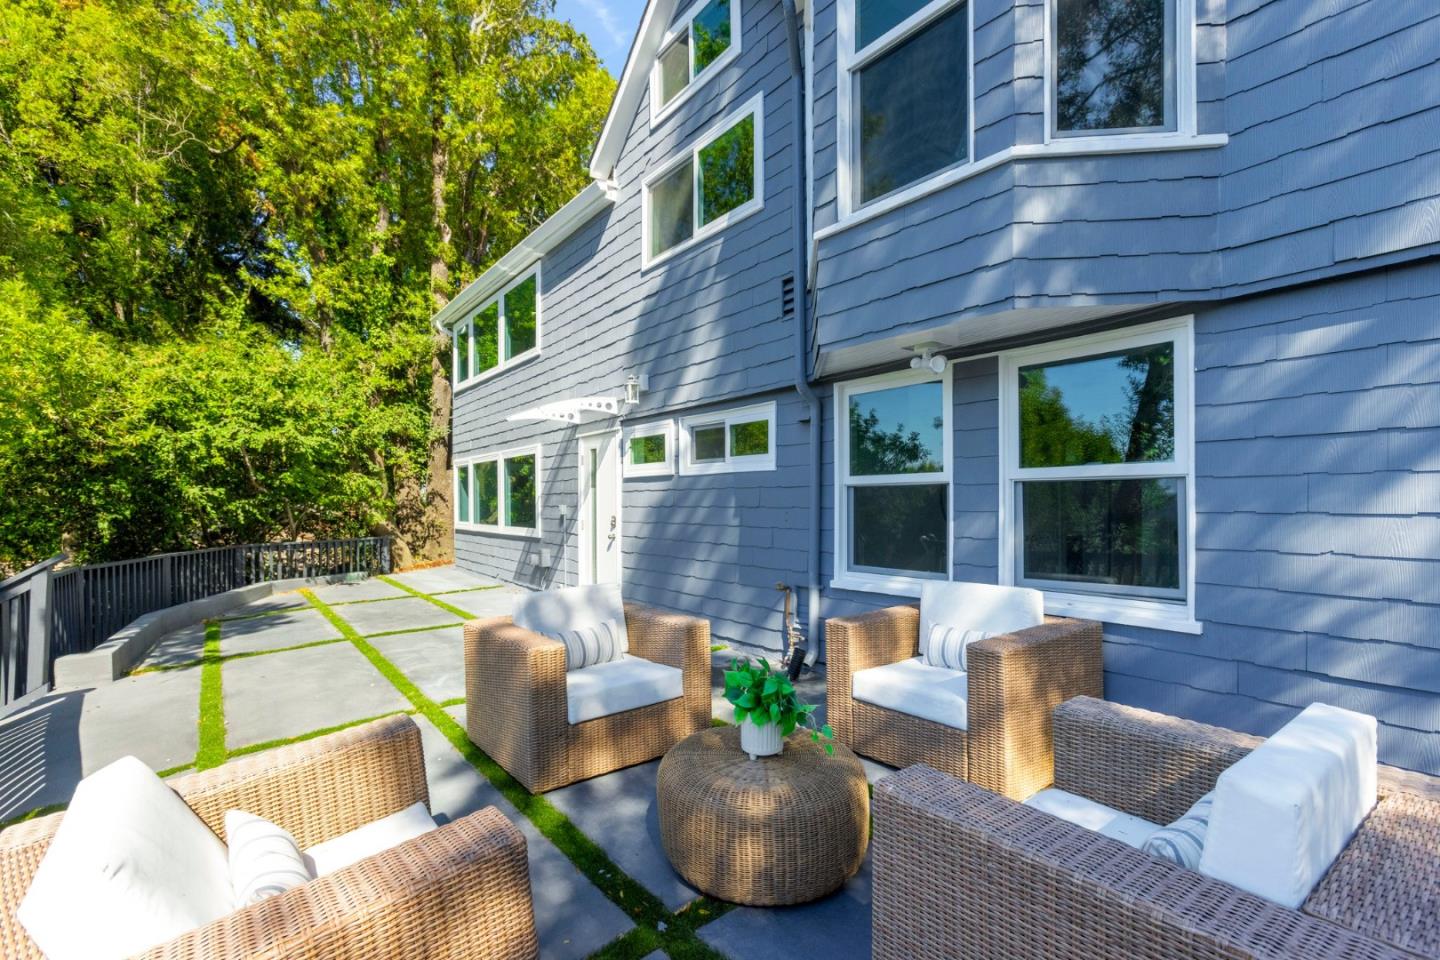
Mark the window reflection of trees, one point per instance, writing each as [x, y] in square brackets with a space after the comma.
[1110, 60]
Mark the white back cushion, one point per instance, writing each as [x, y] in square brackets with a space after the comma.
[552, 612]
[1284, 812]
[1084, 812]
[337, 853]
[982, 607]
[130, 868]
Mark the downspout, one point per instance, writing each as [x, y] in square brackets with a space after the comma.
[802, 325]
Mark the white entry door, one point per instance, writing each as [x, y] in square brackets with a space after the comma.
[600, 508]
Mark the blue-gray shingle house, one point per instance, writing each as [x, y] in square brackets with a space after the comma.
[1134, 301]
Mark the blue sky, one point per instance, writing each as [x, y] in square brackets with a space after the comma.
[610, 24]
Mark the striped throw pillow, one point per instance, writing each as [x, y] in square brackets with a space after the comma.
[588, 646]
[945, 647]
[1183, 841]
[264, 858]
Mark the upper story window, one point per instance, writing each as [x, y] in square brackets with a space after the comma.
[706, 38]
[1120, 67]
[502, 332]
[893, 474]
[904, 92]
[711, 185]
[1098, 472]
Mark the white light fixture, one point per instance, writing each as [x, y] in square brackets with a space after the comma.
[926, 357]
[636, 384]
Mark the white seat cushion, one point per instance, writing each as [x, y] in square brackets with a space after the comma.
[552, 612]
[337, 853]
[620, 685]
[1284, 812]
[981, 607]
[915, 688]
[130, 867]
[1084, 812]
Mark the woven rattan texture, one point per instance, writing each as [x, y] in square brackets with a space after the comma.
[460, 891]
[775, 830]
[1015, 682]
[1387, 882]
[965, 874]
[515, 707]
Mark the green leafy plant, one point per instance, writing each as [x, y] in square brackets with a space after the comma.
[762, 696]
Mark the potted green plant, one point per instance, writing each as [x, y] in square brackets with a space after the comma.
[767, 708]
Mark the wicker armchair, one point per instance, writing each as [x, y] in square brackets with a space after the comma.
[460, 891]
[516, 709]
[963, 873]
[1015, 681]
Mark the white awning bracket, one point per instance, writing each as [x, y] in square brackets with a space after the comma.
[574, 410]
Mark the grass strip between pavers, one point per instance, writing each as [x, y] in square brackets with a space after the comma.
[462, 614]
[656, 927]
[227, 657]
[212, 703]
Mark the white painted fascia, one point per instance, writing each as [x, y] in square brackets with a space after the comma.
[634, 82]
[520, 258]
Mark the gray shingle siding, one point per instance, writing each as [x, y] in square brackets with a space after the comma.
[1330, 166]
[706, 326]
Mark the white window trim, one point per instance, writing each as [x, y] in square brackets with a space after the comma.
[463, 329]
[755, 107]
[895, 584]
[848, 60]
[759, 411]
[499, 457]
[1186, 108]
[697, 80]
[660, 428]
[1171, 615]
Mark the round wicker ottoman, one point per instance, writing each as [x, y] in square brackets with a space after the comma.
[763, 832]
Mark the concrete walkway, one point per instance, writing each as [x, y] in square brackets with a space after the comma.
[274, 656]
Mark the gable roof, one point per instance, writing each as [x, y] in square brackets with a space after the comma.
[633, 81]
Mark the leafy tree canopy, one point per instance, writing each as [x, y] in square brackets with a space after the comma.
[224, 225]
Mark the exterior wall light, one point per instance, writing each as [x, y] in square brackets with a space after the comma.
[927, 357]
[636, 384]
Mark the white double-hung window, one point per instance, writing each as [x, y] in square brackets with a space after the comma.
[703, 40]
[1120, 69]
[904, 94]
[499, 492]
[709, 186]
[1098, 476]
[893, 461]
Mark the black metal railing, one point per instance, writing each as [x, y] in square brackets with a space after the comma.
[47, 613]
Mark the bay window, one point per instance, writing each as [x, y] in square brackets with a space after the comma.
[711, 185]
[1096, 451]
[706, 37]
[499, 493]
[893, 471]
[503, 331]
[904, 93]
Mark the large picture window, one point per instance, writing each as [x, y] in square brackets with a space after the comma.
[1117, 66]
[905, 92]
[893, 455]
[503, 331]
[1098, 467]
[706, 37]
[499, 493]
[715, 183]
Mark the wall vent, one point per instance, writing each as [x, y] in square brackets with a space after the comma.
[787, 297]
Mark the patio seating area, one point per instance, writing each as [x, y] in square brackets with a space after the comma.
[319, 707]
[295, 665]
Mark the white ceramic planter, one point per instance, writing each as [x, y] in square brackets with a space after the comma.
[760, 741]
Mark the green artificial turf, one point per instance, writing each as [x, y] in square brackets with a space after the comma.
[212, 703]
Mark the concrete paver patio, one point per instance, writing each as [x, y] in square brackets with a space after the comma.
[288, 668]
